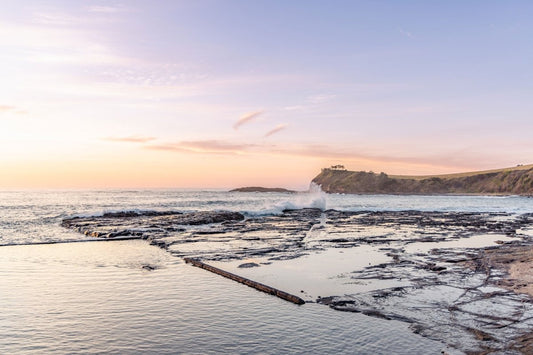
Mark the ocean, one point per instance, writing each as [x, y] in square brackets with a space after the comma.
[28, 217]
[61, 296]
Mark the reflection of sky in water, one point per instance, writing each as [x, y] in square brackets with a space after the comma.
[95, 297]
[476, 241]
[317, 274]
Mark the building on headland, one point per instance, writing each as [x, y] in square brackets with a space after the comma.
[338, 167]
[335, 167]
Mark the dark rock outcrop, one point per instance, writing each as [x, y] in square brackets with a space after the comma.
[149, 224]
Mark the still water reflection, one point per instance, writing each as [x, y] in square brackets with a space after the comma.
[97, 297]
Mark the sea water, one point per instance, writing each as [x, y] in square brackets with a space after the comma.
[28, 217]
[98, 298]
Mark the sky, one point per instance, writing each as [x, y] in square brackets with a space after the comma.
[227, 93]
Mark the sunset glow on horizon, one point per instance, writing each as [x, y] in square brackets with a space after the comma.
[222, 94]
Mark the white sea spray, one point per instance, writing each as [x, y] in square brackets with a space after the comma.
[313, 198]
[36, 216]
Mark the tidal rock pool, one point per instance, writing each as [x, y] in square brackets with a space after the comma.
[455, 277]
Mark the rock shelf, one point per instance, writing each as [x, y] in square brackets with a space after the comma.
[462, 278]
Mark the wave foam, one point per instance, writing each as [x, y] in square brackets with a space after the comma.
[313, 198]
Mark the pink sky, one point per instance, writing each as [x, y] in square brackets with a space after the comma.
[224, 94]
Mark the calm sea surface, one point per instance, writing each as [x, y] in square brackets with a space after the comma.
[97, 298]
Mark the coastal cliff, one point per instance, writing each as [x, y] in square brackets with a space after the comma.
[510, 181]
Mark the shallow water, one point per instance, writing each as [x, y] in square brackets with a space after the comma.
[96, 297]
[35, 216]
[317, 274]
[101, 297]
[477, 241]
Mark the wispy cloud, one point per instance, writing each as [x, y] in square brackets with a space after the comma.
[246, 118]
[106, 9]
[305, 150]
[203, 146]
[45, 44]
[6, 108]
[320, 98]
[406, 33]
[446, 159]
[315, 151]
[276, 129]
[90, 15]
[311, 102]
[12, 109]
[294, 108]
[130, 139]
[56, 19]
[458, 159]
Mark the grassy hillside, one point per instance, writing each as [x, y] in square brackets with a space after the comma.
[516, 181]
[465, 174]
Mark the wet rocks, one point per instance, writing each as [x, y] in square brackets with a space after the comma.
[468, 298]
[148, 267]
[197, 218]
[248, 265]
[144, 224]
[451, 295]
[209, 235]
[124, 214]
[471, 319]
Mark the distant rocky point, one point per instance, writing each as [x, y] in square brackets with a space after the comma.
[509, 181]
[261, 189]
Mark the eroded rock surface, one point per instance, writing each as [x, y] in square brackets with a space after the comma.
[207, 235]
[152, 225]
[451, 286]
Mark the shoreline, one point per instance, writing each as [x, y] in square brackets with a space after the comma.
[123, 296]
[445, 262]
[517, 262]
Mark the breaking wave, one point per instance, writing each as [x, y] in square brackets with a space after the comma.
[313, 198]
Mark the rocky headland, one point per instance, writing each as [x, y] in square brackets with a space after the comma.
[510, 181]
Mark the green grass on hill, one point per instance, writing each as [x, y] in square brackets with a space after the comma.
[460, 175]
[517, 180]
